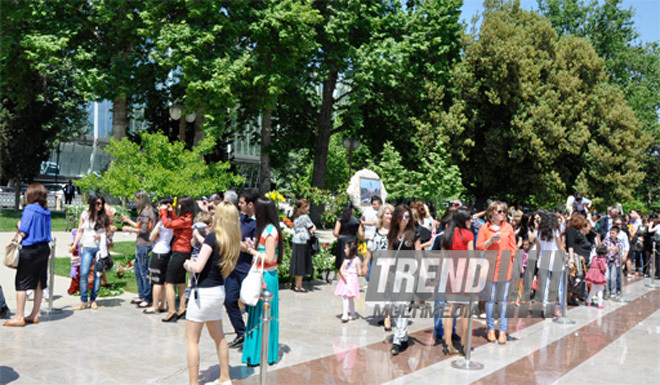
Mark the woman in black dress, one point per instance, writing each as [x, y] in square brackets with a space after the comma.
[347, 229]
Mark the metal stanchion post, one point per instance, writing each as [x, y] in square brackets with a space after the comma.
[466, 363]
[563, 319]
[51, 285]
[266, 297]
[652, 271]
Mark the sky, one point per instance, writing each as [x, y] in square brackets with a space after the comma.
[646, 19]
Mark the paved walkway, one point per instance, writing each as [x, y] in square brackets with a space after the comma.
[118, 345]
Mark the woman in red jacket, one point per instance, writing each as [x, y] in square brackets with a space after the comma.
[498, 234]
[181, 248]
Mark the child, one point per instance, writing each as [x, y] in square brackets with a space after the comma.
[202, 221]
[596, 275]
[347, 285]
[614, 246]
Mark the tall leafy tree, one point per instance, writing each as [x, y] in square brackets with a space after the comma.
[277, 37]
[534, 115]
[41, 98]
[632, 65]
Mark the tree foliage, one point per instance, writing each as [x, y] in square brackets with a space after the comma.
[161, 168]
[534, 115]
[41, 98]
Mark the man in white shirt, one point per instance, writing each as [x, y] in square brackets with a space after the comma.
[579, 204]
[370, 218]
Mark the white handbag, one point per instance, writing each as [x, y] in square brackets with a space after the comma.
[253, 284]
[12, 251]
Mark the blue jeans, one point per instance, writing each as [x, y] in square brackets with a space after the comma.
[141, 270]
[490, 321]
[612, 274]
[3, 304]
[439, 329]
[87, 261]
[560, 293]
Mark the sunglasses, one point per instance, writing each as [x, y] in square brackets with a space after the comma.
[501, 211]
[454, 204]
[99, 203]
[406, 216]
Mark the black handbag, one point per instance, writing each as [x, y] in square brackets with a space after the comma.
[314, 245]
[103, 263]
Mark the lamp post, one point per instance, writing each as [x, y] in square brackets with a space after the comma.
[175, 113]
[350, 145]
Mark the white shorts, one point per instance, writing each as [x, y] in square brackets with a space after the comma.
[208, 305]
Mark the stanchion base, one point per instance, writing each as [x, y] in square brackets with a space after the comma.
[653, 285]
[563, 321]
[464, 364]
[621, 300]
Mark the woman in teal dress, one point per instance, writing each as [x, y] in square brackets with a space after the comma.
[268, 248]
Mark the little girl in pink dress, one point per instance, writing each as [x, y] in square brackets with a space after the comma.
[348, 287]
[596, 275]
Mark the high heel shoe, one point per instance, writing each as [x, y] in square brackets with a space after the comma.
[449, 350]
[170, 318]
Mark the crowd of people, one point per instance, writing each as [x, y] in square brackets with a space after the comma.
[215, 242]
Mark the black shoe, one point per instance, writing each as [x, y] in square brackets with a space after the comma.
[237, 342]
[5, 313]
[395, 349]
[171, 318]
[181, 315]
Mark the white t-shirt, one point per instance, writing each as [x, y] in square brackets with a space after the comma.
[580, 205]
[87, 239]
[550, 245]
[164, 241]
[369, 215]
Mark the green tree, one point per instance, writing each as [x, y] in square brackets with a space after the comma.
[379, 55]
[399, 181]
[161, 168]
[534, 113]
[114, 52]
[634, 66]
[276, 38]
[41, 98]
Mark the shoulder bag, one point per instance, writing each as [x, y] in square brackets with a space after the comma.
[12, 251]
[253, 284]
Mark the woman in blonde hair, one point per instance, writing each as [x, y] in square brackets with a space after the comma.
[217, 258]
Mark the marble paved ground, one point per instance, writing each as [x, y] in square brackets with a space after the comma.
[118, 345]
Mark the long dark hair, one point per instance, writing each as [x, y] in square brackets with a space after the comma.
[187, 205]
[548, 227]
[460, 217]
[266, 214]
[100, 218]
[346, 213]
[397, 215]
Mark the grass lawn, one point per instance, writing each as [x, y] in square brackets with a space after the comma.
[9, 217]
[126, 253]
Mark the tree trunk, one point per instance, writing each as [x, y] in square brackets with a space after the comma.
[264, 166]
[182, 129]
[199, 134]
[119, 117]
[323, 132]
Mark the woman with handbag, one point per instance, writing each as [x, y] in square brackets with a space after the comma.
[216, 260]
[268, 253]
[93, 222]
[34, 227]
[301, 258]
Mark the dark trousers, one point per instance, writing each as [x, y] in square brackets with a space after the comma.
[232, 294]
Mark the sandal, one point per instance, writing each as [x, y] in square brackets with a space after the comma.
[170, 318]
[150, 311]
[95, 306]
[395, 349]
[82, 306]
[14, 323]
[143, 305]
[34, 320]
[136, 301]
